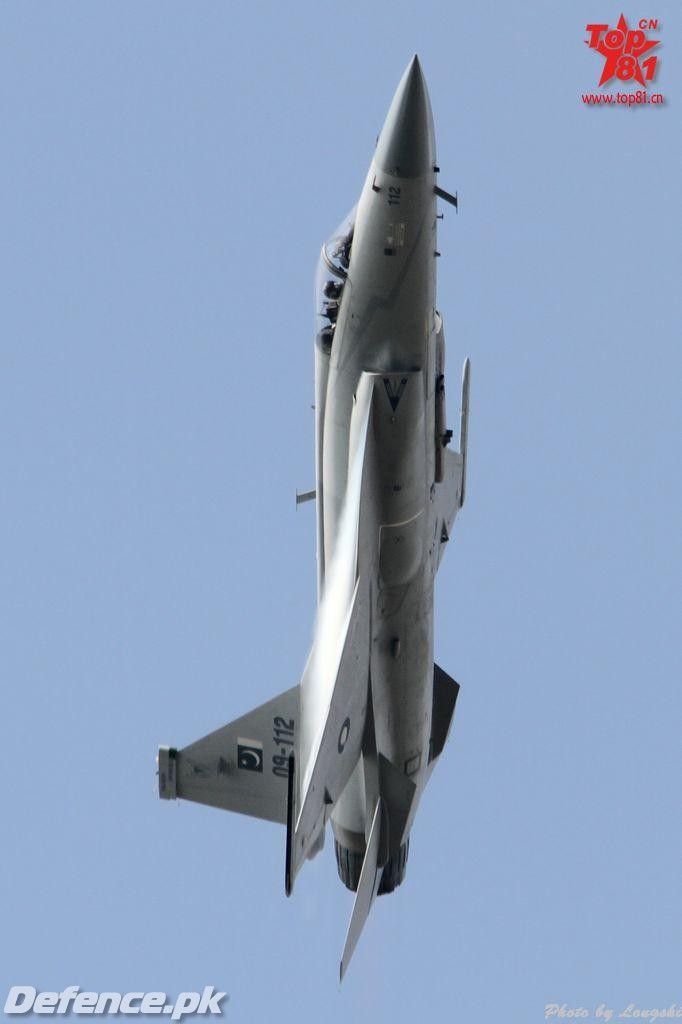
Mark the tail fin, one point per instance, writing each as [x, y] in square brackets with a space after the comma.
[243, 767]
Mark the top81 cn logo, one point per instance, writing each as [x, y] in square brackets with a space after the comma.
[623, 48]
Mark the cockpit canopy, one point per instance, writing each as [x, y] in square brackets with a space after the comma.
[332, 270]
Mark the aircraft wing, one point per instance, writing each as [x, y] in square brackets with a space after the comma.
[448, 496]
[451, 491]
[339, 745]
[336, 679]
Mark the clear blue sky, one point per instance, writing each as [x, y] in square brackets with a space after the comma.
[168, 173]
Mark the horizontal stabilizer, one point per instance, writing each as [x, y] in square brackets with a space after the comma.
[243, 767]
[370, 878]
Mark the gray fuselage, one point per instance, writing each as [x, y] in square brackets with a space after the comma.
[387, 324]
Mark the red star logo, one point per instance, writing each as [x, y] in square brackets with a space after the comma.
[621, 49]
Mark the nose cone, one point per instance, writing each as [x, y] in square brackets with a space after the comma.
[406, 145]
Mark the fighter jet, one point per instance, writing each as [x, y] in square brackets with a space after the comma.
[355, 742]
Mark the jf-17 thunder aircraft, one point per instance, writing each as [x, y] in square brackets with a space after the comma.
[356, 741]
